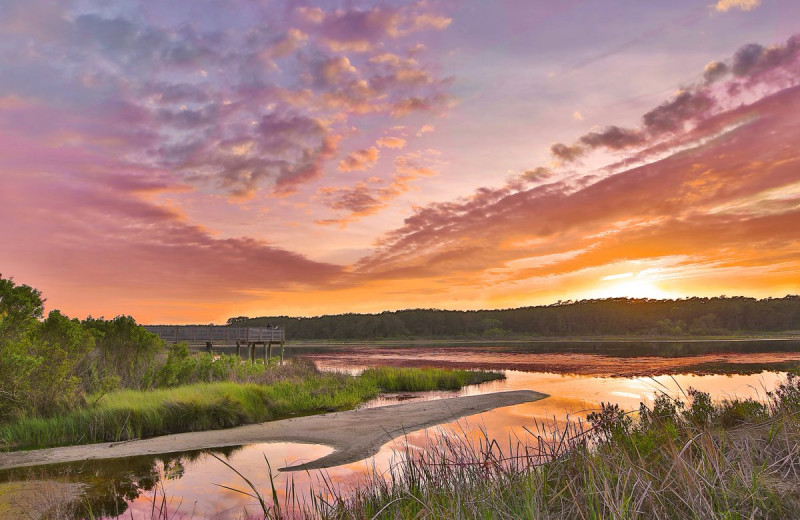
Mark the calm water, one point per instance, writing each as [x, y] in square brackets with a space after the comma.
[577, 377]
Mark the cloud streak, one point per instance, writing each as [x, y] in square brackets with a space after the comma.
[751, 66]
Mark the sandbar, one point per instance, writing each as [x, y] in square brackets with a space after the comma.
[354, 435]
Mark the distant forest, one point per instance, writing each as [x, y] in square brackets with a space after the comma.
[613, 316]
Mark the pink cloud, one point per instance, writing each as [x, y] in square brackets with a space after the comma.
[751, 66]
[173, 97]
[373, 195]
[359, 160]
[70, 245]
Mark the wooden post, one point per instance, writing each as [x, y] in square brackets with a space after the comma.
[239, 350]
[267, 351]
[281, 352]
[251, 351]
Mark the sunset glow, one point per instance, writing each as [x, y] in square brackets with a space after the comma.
[189, 161]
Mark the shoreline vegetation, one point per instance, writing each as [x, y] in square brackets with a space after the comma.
[64, 381]
[679, 458]
[299, 389]
[682, 457]
[686, 457]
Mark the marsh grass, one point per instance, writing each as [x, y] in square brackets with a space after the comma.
[680, 458]
[132, 414]
[129, 414]
[732, 460]
[394, 379]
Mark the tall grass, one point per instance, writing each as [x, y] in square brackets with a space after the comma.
[393, 379]
[731, 460]
[133, 414]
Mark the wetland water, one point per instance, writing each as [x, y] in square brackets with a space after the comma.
[577, 376]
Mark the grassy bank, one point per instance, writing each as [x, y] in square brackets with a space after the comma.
[394, 379]
[730, 460]
[130, 414]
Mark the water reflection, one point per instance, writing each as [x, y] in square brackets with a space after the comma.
[607, 359]
[197, 485]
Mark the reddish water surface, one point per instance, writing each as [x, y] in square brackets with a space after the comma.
[532, 360]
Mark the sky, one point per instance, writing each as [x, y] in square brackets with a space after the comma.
[194, 160]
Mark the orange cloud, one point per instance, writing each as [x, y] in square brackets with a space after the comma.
[730, 203]
[744, 5]
[359, 160]
[391, 142]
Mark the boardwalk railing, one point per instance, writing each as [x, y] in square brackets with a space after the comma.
[217, 334]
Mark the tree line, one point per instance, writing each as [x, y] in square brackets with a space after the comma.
[612, 316]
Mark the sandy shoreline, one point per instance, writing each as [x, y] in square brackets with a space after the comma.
[355, 434]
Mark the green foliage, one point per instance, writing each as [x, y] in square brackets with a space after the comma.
[178, 367]
[16, 367]
[61, 346]
[665, 411]
[274, 392]
[611, 422]
[611, 316]
[182, 367]
[125, 350]
[735, 412]
[701, 411]
[787, 395]
[20, 308]
[48, 365]
[667, 327]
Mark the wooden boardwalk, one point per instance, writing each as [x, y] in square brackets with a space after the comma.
[210, 335]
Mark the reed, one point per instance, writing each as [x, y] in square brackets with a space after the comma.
[394, 379]
[731, 459]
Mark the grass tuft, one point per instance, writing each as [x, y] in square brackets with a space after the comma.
[394, 379]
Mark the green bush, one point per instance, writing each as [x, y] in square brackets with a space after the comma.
[701, 412]
[735, 412]
[125, 350]
[21, 308]
[61, 346]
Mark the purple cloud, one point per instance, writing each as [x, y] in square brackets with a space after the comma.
[283, 99]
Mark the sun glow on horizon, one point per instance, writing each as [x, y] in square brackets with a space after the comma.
[630, 285]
